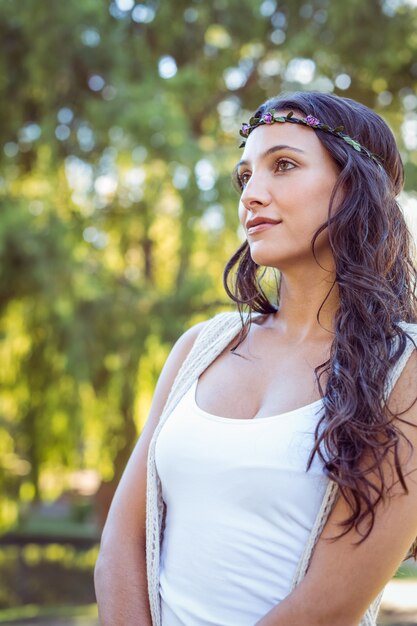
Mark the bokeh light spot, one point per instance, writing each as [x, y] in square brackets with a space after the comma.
[234, 78]
[139, 154]
[267, 8]
[96, 237]
[216, 35]
[167, 67]
[343, 81]
[300, 71]
[279, 20]
[109, 92]
[205, 174]
[90, 37]
[96, 82]
[409, 131]
[62, 132]
[181, 176]
[213, 218]
[10, 149]
[190, 15]
[410, 102]
[385, 98]
[379, 84]
[143, 14]
[65, 115]
[105, 185]
[30, 132]
[278, 36]
[125, 5]
[85, 138]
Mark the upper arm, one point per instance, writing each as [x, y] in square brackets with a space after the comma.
[346, 576]
[127, 515]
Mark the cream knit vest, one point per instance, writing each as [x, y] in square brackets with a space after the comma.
[212, 340]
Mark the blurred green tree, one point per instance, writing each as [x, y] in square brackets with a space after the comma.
[119, 126]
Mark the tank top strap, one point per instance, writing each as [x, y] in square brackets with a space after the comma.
[411, 344]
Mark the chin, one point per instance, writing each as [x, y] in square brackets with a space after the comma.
[283, 262]
[267, 261]
[267, 258]
[283, 259]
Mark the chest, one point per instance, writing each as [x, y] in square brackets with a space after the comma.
[263, 377]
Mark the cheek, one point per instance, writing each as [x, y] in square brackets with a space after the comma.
[318, 200]
[242, 213]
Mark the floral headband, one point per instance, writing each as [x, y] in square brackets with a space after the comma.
[270, 117]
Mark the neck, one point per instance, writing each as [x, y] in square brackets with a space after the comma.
[301, 296]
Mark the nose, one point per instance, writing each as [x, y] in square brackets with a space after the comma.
[255, 194]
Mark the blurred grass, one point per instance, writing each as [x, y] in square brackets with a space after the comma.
[54, 529]
[32, 611]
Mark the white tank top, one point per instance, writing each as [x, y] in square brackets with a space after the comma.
[239, 510]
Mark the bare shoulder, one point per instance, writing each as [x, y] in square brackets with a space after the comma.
[211, 330]
[176, 358]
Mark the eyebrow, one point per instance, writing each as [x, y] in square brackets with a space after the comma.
[271, 151]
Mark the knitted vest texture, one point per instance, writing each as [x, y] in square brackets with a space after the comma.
[210, 343]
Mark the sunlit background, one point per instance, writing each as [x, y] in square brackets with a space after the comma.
[118, 132]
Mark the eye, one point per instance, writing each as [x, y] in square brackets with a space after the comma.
[283, 165]
[243, 179]
[240, 180]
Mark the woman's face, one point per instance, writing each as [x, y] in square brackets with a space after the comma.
[287, 178]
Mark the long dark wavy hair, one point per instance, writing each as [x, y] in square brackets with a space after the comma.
[376, 280]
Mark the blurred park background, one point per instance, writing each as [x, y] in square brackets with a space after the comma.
[119, 130]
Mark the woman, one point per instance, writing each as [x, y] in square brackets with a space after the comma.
[280, 450]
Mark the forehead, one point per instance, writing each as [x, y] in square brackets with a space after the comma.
[296, 136]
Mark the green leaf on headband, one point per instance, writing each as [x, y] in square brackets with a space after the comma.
[279, 118]
[242, 145]
[289, 115]
[254, 121]
[353, 143]
[339, 129]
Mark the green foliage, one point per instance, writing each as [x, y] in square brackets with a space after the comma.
[120, 130]
[50, 575]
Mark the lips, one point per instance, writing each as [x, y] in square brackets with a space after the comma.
[260, 223]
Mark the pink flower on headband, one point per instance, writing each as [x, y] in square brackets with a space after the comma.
[312, 121]
[267, 118]
[245, 129]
